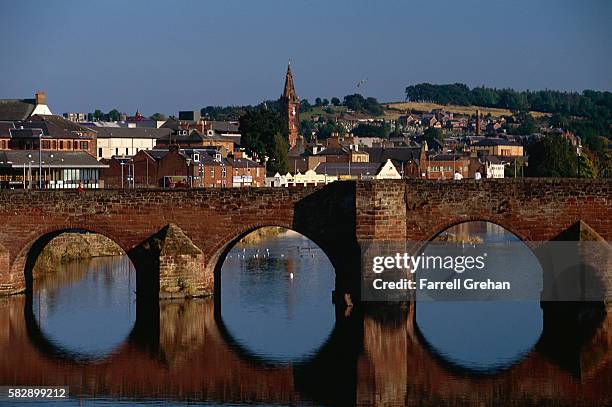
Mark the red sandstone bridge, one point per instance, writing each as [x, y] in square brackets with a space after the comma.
[177, 240]
[366, 361]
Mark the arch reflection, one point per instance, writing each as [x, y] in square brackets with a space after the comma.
[85, 309]
[490, 334]
[276, 296]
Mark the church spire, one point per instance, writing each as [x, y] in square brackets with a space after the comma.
[289, 91]
[290, 107]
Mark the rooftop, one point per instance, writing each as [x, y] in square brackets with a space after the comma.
[50, 159]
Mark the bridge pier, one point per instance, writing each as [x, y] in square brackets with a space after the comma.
[169, 265]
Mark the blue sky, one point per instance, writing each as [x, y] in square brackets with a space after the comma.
[175, 55]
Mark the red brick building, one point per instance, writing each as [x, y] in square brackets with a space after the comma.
[54, 133]
[197, 168]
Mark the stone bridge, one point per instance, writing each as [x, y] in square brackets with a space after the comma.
[178, 239]
[367, 361]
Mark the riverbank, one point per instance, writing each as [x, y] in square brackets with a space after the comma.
[74, 246]
[262, 234]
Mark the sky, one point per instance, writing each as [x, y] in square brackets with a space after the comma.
[166, 56]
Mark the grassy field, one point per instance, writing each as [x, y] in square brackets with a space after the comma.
[398, 108]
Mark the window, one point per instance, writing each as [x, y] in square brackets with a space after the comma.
[116, 151]
[84, 145]
[46, 144]
[223, 174]
[196, 157]
[61, 144]
[75, 145]
[54, 144]
[100, 152]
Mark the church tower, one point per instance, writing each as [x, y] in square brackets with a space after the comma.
[290, 108]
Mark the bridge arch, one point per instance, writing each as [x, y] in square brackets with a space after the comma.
[455, 221]
[334, 255]
[25, 260]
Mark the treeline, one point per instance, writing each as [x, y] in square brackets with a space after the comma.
[589, 104]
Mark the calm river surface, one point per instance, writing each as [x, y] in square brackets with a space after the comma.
[274, 337]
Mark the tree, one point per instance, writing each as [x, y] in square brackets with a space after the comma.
[587, 167]
[325, 102]
[431, 135]
[305, 106]
[354, 102]
[158, 117]
[258, 127]
[372, 107]
[528, 124]
[114, 115]
[307, 127]
[98, 114]
[318, 102]
[329, 128]
[278, 158]
[552, 156]
[335, 101]
[370, 130]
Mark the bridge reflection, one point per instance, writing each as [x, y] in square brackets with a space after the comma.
[373, 357]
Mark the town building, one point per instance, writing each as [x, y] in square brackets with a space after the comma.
[201, 134]
[290, 108]
[498, 147]
[53, 133]
[33, 169]
[407, 160]
[359, 171]
[308, 178]
[444, 166]
[494, 167]
[116, 141]
[75, 117]
[187, 168]
[22, 109]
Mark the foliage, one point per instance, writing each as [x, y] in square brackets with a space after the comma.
[335, 101]
[305, 106]
[372, 130]
[587, 167]
[98, 115]
[307, 127]
[431, 134]
[259, 127]
[158, 116]
[327, 129]
[527, 124]
[278, 162]
[552, 156]
[358, 103]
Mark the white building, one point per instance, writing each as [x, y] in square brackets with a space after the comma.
[494, 168]
[123, 141]
[325, 173]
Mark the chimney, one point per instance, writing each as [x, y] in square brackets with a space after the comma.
[477, 122]
[41, 98]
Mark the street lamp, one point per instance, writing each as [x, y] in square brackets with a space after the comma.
[122, 164]
[40, 160]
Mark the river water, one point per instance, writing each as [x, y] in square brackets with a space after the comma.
[274, 337]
